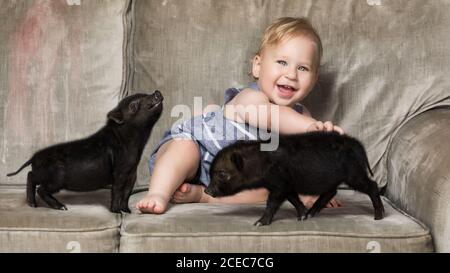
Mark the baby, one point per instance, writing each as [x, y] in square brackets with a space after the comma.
[285, 69]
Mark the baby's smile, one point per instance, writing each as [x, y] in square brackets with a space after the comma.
[286, 91]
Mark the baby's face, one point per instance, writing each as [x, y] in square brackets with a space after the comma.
[287, 71]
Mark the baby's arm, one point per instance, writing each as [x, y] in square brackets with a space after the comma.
[254, 108]
[248, 105]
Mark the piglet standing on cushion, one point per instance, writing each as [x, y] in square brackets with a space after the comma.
[308, 164]
[110, 156]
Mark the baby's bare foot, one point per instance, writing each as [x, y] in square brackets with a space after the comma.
[188, 193]
[152, 203]
[334, 203]
[309, 200]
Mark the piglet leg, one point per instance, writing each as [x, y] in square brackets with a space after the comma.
[127, 189]
[49, 199]
[274, 202]
[117, 190]
[299, 206]
[31, 190]
[321, 203]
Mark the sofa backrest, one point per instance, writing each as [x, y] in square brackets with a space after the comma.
[384, 61]
[63, 64]
[61, 72]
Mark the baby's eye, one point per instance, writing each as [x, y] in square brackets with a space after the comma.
[283, 63]
[303, 68]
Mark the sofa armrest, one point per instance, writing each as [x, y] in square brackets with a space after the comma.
[418, 172]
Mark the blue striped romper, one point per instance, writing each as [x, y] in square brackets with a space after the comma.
[212, 132]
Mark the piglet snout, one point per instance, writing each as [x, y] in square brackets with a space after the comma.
[210, 192]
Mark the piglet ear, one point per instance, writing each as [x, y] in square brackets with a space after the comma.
[238, 161]
[116, 116]
[134, 106]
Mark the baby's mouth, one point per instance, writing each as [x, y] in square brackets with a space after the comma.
[286, 87]
[286, 91]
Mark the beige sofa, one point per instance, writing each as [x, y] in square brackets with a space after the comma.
[384, 79]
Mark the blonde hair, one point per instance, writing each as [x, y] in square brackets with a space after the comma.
[289, 27]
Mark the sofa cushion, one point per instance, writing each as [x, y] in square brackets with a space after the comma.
[87, 225]
[229, 228]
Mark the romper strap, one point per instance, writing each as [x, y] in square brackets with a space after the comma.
[298, 107]
[230, 93]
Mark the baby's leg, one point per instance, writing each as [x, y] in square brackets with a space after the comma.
[176, 161]
[190, 193]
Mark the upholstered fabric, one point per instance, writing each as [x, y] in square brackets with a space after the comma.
[383, 64]
[419, 172]
[229, 228]
[66, 63]
[87, 225]
[60, 73]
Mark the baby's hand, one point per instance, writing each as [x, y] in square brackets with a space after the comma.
[325, 127]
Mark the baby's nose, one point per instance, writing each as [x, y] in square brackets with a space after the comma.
[291, 75]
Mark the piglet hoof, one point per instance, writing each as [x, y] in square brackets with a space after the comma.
[302, 217]
[258, 224]
[63, 207]
[312, 212]
[126, 210]
[32, 204]
[115, 207]
[378, 216]
[115, 210]
[262, 222]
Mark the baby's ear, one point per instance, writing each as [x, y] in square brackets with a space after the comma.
[238, 161]
[256, 66]
[116, 115]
